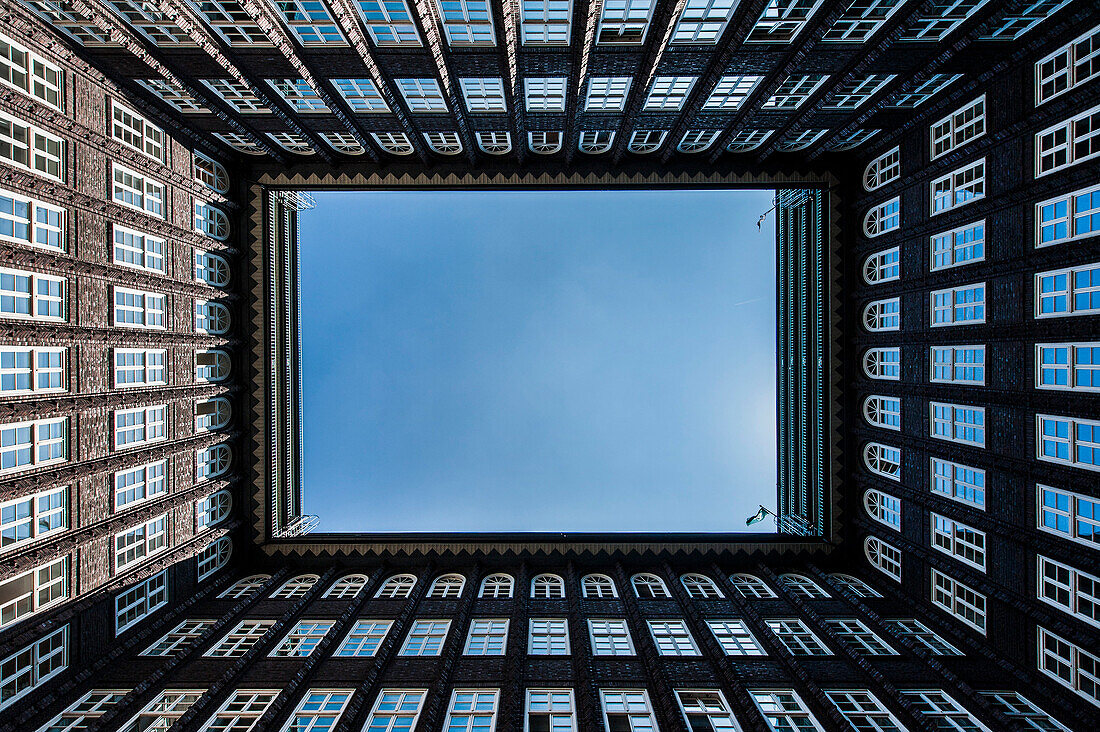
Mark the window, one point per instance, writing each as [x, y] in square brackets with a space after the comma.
[668, 93]
[212, 366]
[211, 221]
[672, 638]
[165, 709]
[134, 605]
[548, 587]
[883, 460]
[797, 638]
[544, 143]
[958, 128]
[176, 96]
[241, 143]
[917, 93]
[859, 637]
[213, 509]
[964, 245]
[30, 73]
[793, 91]
[25, 146]
[882, 363]
[747, 585]
[178, 640]
[624, 21]
[607, 93]
[362, 95]
[1015, 706]
[151, 23]
[942, 20]
[447, 586]
[880, 411]
[1069, 440]
[882, 266]
[649, 587]
[958, 365]
[472, 710]
[861, 20]
[697, 141]
[784, 710]
[347, 587]
[1068, 217]
[957, 305]
[295, 587]
[853, 93]
[32, 592]
[1070, 66]
[882, 218]
[1069, 515]
[1069, 665]
[213, 557]
[959, 482]
[941, 711]
[444, 143]
[241, 639]
[212, 414]
[27, 370]
[83, 713]
[425, 638]
[545, 22]
[318, 711]
[782, 20]
[545, 94]
[292, 142]
[302, 639]
[364, 638]
[884, 557]
[139, 309]
[851, 139]
[959, 600]
[27, 295]
[548, 637]
[398, 587]
[643, 142]
[23, 520]
[389, 23]
[956, 539]
[735, 638]
[210, 173]
[610, 638]
[1059, 293]
[310, 22]
[486, 637]
[33, 665]
[395, 710]
[467, 22]
[136, 191]
[135, 485]
[211, 268]
[799, 140]
[747, 140]
[138, 367]
[957, 423]
[1069, 589]
[802, 586]
[700, 587]
[856, 586]
[240, 96]
[141, 426]
[550, 710]
[496, 586]
[144, 540]
[598, 586]
[422, 95]
[1068, 143]
[627, 710]
[920, 634]
[1011, 24]
[884, 169]
[863, 710]
[212, 461]
[30, 221]
[136, 132]
[494, 143]
[703, 22]
[595, 142]
[706, 711]
[211, 318]
[483, 94]
[958, 188]
[242, 711]
[246, 587]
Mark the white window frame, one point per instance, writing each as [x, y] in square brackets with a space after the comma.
[607, 93]
[151, 316]
[875, 366]
[245, 587]
[153, 426]
[877, 315]
[396, 587]
[447, 586]
[209, 173]
[486, 637]
[491, 586]
[213, 557]
[208, 313]
[364, 639]
[295, 587]
[1072, 440]
[39, 303]
[210, 462]
[176, 641]
[785, 707]
[1068, 217]
[797, 637]
[34, 76]
[149, 252]
[877, 460]
[1060, 506]
[882, 266]
[302, 639]
[751, 586]
[315, 710]
[959, 600]
[888, 559]
[141, 600]
[884, 169]
[44, 224]
[882, 411]
[1015, 705]
[735, 638]
[949, 479]
[1055, 653]
[1070, 366]
[150, 196]
[388, 26]
[483, 95]
[241, 639]
[634, 704]
[1059, 146]
[40, 441]
[946, 362]
[41, 152]
[671, 637]
[958, 188]
[134, 131]
[883, 507]
[347, 587]
[547, 587]
[599, 587]
[397, 709]
[610, 637]
[48, 508]
[953, 312]
[1070, 291]
[545, 93]
[965, 425]
[958, 540]
[44, 659]
[965, 124]
[958, 247]
[1075, 61]
[883, 218]
[551, 635]
[138, 543]
[1069, 589]
[143, 488]
[147, 367]
[546, 23]
[922, 635]
[35, 372]
[426, 638]
[624, 22]
[855, 634]
[466, 23]
[34, 591]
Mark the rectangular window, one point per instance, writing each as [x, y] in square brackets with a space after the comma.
[1070, 66]
[862, 710]
[83, 713]
[25, 146]
[1069, 440]
[703, 22]
[861, 20]
[297, 93]
[1069, 589]
[610, 638]
[859, 637]
[26, 220]
[31, 296]
[550, 710]
[959, 482]
[483, 94]
[957, 423]
[242, 711]
[1067, 366]
[389, 23]
[29, 73]
[395, 710]
[425, 638]
[941, 19]
[784, 710]
[731, 92]
[165, 710]
[144, 540]
[706, 710]
[672, 638]
[668, 93]
[958, 187]
[139, 309]
[1068, 143]
[23, 520]
[958, 540]
[958, 305]
[176, 641]
[1069, 217]
[25, 445]
[140, 426]
[133, 248]
[958, 128]
[624, 22]
[33, 665]
[548, 637]
[174, 95]
[310, 22]
[241, 97]
[793, 92]
[959, 600]
[545, 94]
[1065, 292]
[1069, 515]
[472, 709]
[914, 95]
[139, 367]
[1069, 665]
[607, 93]
[467, 22]
[797, 638]
[302, 638]
[627, 710]
[958, 365]
[319, 710]
[362, 95]
[1016, 706]
[854, 93]
[134, 605]
[422, 95]
[486, 637]
[241, 639]
[735, 638]
[545, 22]
[922, 635]
[135, 485]
[136, 132]
[782, 20]
[32, 592]
[364, 638]
[136, 191]
[958, 247]
[30, 370]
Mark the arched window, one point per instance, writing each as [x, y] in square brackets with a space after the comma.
[211, 318]
[852, 140]
[211, 269]
[748, 140]
[397, 587]
[700, 586]
[241, 143]
[883, 460]
[395, 143]
[802, 586]
[748, 585]
[544, 142]
[649, 587]
[210, 173]
[212, 366]
[882, 411]
[598, 586]
[447, 585]
[212, 414]
[347, 587]
[883, 218]
[214, 557]
[643, 142]
[496, 585]
[882, 170]
[882, 266]
[548, 587]
[246, 587]
[696, 141]
[495, 143]
[296, 587]
[882, 315]
[858, 587]
[883, 507]
[343, 142]
[444, 143]
[884, 557]
[595, 142]
[800, 140]
[210, 462]
[882, 363]
[213, 509]
[292, 142]
[211, 221]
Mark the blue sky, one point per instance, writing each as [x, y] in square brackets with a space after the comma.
[538, 361]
